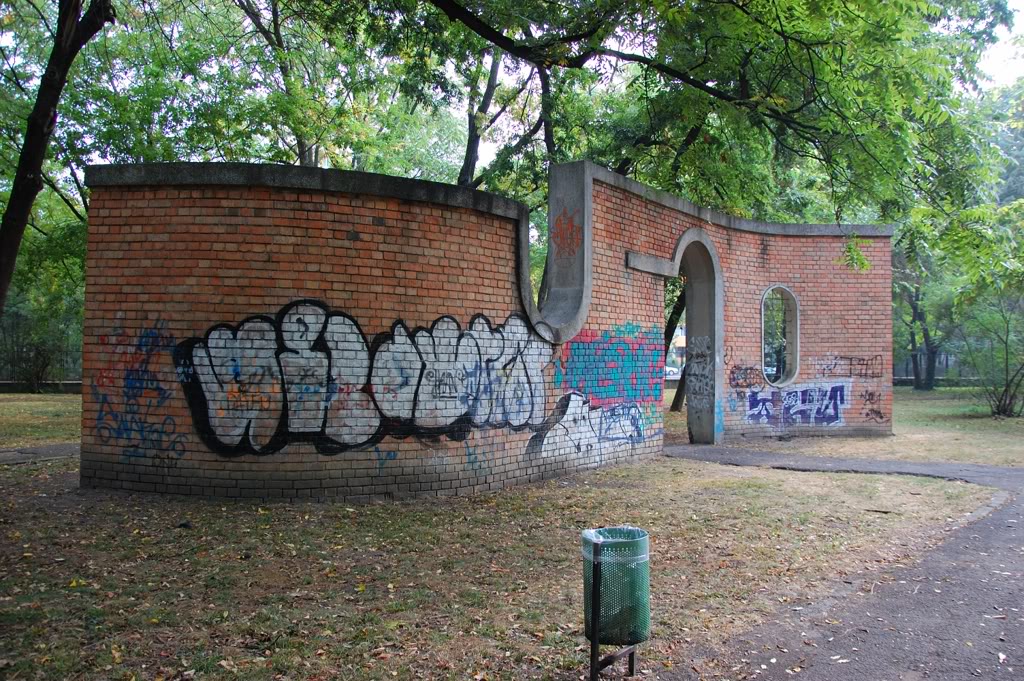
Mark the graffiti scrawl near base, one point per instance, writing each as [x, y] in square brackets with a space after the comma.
[133, 419]
[309, 375]
[799, 405]
[584, 431]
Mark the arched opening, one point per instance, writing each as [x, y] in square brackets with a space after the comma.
[697, 268]
[780, 335]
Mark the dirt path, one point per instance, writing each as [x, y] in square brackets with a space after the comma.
[957, 614]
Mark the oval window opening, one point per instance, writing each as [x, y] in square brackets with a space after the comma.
[779, 328]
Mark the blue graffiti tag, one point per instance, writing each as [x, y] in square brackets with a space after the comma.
[474, 459]
[132, 420]
[800, 405]
[384, 457]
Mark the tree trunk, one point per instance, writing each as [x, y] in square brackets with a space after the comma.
[670, 331]
[677, 401]
[474, 133]
[71, 35]
[915, 358]
[546, 108]
[673, 319]
[924, 377]
[931, 359]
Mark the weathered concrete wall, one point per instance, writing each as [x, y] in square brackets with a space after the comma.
[269, 331]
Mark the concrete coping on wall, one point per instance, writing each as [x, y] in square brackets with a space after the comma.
[302, 178]
[715, 217]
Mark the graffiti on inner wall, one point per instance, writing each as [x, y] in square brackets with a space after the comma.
[700, 376]
[621, 366]
[611, 367]
[746, 377]
[566, 235]
[309, 375]
[132, 418]
[586, 431]
[844, 366]
[817, 404]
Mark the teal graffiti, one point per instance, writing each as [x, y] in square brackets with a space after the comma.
[611, 367]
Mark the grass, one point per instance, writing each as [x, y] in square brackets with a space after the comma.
[105, 585]
[37, 419]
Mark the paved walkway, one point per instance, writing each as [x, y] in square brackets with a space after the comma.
[39, 453]
[957, 614]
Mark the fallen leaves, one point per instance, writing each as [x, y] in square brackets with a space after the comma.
[486, 587]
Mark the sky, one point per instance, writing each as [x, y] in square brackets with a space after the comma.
[1003, 61]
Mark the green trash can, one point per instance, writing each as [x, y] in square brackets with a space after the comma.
[624, 589]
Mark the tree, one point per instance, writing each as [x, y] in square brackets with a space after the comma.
[72, 30]
[1008, 115]
[992, 333]
[856, 87]
[924, 305]
[675, 306]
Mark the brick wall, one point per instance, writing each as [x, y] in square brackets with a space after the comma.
[262, 342]
[843, 383]
[364, 336]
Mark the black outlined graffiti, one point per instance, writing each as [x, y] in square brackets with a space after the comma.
[309, 375]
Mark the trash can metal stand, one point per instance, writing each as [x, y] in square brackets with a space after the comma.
[616, 579]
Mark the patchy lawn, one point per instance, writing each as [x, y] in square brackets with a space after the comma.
[106, 585]
[947, 424]
[28, 419]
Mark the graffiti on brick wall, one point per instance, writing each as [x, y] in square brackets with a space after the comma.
[746, 377]
[129, 394]
[623, 365]
[700, 372]
[816, 404]
[872, 401]
[566, 235]
[844, 366]
[588, 432]
[384, 458]
[309, 375]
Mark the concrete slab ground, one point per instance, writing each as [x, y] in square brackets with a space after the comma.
[62, 450]
[957, 614]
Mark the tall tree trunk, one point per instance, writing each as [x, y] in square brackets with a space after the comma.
[931, 359]
[74, 30]
[474, 133]
[673, 319]
[924, 377]
[915, 359]
[677, 401]
[670, 331]
[546, 108]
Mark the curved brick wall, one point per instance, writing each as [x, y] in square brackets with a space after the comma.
[843, 385]
[290, 342]
[280, 332]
